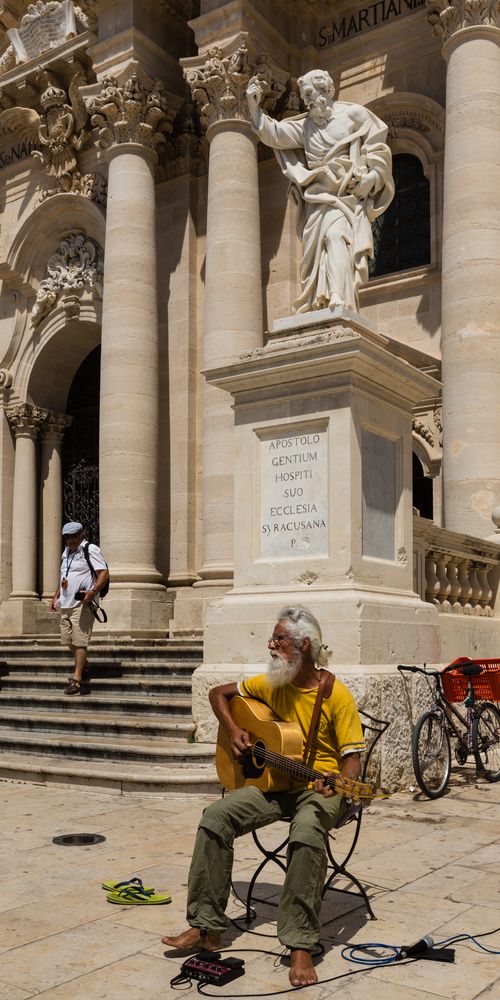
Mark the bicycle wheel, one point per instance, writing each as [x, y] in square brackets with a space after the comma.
[431, 754]
[486, 741]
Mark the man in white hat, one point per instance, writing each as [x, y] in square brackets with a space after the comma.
[78, 589]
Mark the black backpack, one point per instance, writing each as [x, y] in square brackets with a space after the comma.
[104, 590]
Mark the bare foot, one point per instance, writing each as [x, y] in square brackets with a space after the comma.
[192, 938]
[302, 971]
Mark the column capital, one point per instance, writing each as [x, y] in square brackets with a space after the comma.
[449, 16]
[219, 79]
[55, 425]
[131, 113]
[26, 420]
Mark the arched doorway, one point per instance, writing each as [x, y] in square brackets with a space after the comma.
[81, 448]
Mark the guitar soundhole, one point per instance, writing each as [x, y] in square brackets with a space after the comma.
[254, 764]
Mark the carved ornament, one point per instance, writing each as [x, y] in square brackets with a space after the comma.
[186, 151]
[56, 424]
[438, 423]
[26, 419]
[423, 430]
[133, 112]
[5, 378]
[76, 266]
[449, 16]
[43, 27]
[61, 131]
[339, 335]
[219, 86]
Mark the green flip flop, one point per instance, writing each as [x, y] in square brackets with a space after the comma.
[134, 883]
[136, 896]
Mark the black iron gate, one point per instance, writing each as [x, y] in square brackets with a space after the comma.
[81, 448]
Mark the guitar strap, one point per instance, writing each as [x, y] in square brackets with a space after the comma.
[325, 688]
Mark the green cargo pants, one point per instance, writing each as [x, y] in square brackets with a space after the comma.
[246, 809]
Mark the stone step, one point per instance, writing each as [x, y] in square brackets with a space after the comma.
[110, 667]
[136, 717]
[95, 747]
[178, 777]
[171, 753]
[122, 686]
[110, 724]
[124, 650]
[175, 705]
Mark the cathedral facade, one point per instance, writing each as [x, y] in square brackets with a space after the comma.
[155, 382]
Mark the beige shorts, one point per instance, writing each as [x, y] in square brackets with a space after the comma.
[76, 625]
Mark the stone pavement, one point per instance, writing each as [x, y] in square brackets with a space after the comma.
[432, 868]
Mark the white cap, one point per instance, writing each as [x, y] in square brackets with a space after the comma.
[72, 528]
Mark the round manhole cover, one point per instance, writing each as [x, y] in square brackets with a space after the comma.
[78, 839]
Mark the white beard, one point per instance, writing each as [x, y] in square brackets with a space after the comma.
[281, 671]
[320, 112]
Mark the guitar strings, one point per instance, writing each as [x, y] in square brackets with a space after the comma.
[356, 789]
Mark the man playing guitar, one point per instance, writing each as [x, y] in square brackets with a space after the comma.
[290, 689]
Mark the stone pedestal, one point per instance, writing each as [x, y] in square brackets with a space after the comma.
[323, 503]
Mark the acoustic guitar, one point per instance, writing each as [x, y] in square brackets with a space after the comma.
[275, 755]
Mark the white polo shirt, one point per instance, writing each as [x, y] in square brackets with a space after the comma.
[75, 569]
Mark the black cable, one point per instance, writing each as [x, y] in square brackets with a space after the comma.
[307, 986]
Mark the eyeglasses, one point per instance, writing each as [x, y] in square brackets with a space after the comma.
[278, 639]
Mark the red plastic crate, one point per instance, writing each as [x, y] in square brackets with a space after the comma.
[486, 685]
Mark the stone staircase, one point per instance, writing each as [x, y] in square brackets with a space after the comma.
[133, 731]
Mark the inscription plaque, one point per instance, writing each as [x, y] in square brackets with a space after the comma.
[294, 494]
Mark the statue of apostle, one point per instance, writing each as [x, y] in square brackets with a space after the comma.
[339, 167]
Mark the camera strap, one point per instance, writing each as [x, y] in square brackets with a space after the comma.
[98, 613]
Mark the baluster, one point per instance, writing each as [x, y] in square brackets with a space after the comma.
[444, 583]
[486, 591]
[432, 585]
[466, 589]
[476, 590]
[455, 586]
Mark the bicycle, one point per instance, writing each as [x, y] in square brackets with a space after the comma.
[461, 681]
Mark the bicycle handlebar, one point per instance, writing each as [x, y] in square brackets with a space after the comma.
[431, 673]
[420, 670]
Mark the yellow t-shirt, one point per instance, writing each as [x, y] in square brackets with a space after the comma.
[339, 731]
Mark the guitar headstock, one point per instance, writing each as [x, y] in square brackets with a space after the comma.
[354, 790]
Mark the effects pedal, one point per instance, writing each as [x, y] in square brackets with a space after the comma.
[211, 968]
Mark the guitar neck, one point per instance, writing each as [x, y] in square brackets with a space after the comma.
[344, 786]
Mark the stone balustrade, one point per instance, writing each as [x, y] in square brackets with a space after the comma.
[457, 573]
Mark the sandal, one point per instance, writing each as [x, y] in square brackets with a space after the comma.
[133, 883]
[137, 896]
[74, 686]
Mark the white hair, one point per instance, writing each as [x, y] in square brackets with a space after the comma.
[317, 74]
[303, 624]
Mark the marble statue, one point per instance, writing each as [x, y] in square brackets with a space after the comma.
[338, 163]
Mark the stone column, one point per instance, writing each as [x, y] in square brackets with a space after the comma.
[233, 278]
[470, 30]
[133, 121]
[26, 422]
[52, 499]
